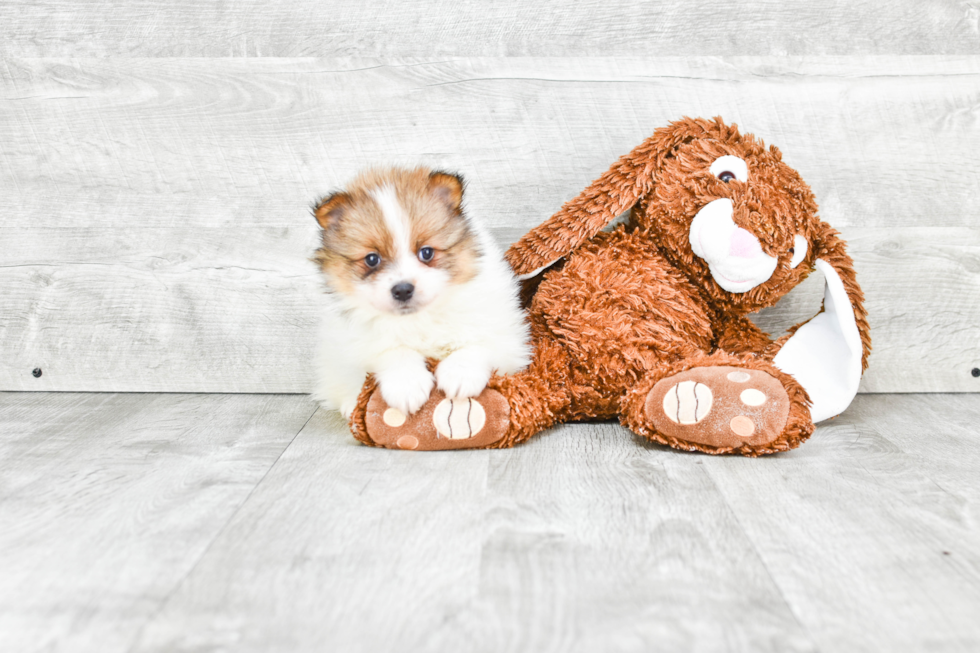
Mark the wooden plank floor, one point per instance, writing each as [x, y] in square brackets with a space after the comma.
[148, 522]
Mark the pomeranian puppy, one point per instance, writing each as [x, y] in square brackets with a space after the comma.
[410, 276]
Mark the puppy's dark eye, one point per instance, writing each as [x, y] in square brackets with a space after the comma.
[726, 176]
[792, 250]
[372, 260]
[426, 254]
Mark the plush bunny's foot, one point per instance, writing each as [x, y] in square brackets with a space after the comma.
[723, 409]
[440, 424]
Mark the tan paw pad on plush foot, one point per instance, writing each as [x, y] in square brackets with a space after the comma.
[441, 423]
[719, 407]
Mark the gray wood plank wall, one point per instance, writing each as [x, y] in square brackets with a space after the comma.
[555, 28]
[154, 225]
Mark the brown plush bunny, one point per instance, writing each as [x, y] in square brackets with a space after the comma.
[646, 322]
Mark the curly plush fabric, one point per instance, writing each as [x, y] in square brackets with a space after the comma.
[615, 313]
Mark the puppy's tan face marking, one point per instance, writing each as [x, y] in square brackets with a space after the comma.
[396, 239]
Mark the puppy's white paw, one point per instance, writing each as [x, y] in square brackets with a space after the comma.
[406, 388]
[462, 375]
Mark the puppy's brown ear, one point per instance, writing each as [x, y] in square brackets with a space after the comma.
[448, 189]
[610, 195]
[331, 208]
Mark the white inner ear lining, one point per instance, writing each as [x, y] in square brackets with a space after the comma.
[824, 355]
[732, 164]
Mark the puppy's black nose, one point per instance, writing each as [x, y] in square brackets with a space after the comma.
[402, 291]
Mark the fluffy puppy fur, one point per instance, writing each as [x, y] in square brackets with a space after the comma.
[409, 276]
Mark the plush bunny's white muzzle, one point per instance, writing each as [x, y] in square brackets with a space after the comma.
[734, 256]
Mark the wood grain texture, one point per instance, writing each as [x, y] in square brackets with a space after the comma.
[941, 439]
[200, 523]
[156, 224]
[582, 540]
[875, 516]
[108, 501]
[472, 28]
[883, 141]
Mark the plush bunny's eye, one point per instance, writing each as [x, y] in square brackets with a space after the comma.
[730, 168]
[797, 251]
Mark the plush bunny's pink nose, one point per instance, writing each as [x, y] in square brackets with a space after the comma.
[744, 244]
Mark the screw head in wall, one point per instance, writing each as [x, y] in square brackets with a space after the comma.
[36, 372]
[975, 372]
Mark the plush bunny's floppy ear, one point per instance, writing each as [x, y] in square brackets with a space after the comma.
[828, 353]
[608, 196]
